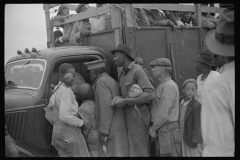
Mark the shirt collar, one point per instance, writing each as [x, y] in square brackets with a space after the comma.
[166, 79]
[185, 103]
[228, 66]
[128, 68]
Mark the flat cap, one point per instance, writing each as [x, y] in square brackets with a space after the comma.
[161, 62]
[95, 64]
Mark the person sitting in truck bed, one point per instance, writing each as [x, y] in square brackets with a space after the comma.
[156, 18]
[98, 23]
[63, 12]
[141, 18]
[80, 28]
[208, 21]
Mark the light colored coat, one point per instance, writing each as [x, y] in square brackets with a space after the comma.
[110, 120]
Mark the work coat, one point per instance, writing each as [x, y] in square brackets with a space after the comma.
[110, 120]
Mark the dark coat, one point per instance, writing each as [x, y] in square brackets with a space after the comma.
[192, 127]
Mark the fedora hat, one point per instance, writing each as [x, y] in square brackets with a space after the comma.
[206, 57]
[61, 8]
[221, 40]
[125, 49]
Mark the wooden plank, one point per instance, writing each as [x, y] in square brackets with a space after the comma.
[48, 26]
[199, 15]
[88, 14]
[129, 13]
[211, 9]
[173, 7]
[53, 5]
[178, 7]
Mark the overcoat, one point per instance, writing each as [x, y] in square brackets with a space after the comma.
[110, 120]
[192, 128]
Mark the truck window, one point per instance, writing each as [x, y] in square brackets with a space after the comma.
[26, 73]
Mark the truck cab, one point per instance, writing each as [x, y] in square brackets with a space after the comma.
[27, 92]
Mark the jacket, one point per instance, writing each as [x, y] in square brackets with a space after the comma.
[192, 127]
[110, 120]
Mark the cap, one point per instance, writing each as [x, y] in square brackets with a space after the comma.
[206, 57]
[161, 62]
[95, 64]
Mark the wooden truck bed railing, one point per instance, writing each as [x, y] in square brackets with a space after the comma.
[116, 20]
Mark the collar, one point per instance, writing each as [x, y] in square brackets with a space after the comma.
[228, 66]
[128, 68]
[185, 103]
[166, 79]
[99, 77]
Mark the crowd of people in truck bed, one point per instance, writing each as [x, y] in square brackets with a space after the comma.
[136, 117]
[74, 32]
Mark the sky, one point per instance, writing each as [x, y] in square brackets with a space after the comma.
[25, 27]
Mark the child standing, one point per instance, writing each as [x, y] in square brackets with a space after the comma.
[189, 118]
[67, 137]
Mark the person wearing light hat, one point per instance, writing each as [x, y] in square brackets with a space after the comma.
[165, 111]
[203, 63]
[80, 28]
[110, 121]
[137, 118]
[218, 107]
[63, 11]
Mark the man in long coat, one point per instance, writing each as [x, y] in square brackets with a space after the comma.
[110, 121]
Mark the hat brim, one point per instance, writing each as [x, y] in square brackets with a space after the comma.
[199, 59]
[218, 48]
[119, 50]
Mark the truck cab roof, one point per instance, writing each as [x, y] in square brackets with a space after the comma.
[50, 54]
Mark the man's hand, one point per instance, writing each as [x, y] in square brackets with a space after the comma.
[86, 32]
[103, 139]
[152, 133]
[119, 102]
[57, 40]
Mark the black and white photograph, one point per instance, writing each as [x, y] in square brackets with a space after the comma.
[119, 79]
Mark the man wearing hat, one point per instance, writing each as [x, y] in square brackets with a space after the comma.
[218, 107]
[165, 112]
[110, 121]
[80, 28]
[137, 118]
[63, 11]
[204, 63]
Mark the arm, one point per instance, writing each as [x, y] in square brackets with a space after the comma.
[65, 110]
[69, 28]
[98, 24]
[106, 111]
[217, 122]
[142, 18]
[197, 135]
[148, 90]
[165, 104]
[171, 17]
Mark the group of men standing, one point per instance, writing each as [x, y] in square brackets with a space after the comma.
[115, 107]
[124, 123]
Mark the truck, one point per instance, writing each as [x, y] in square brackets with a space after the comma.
[28, 75]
